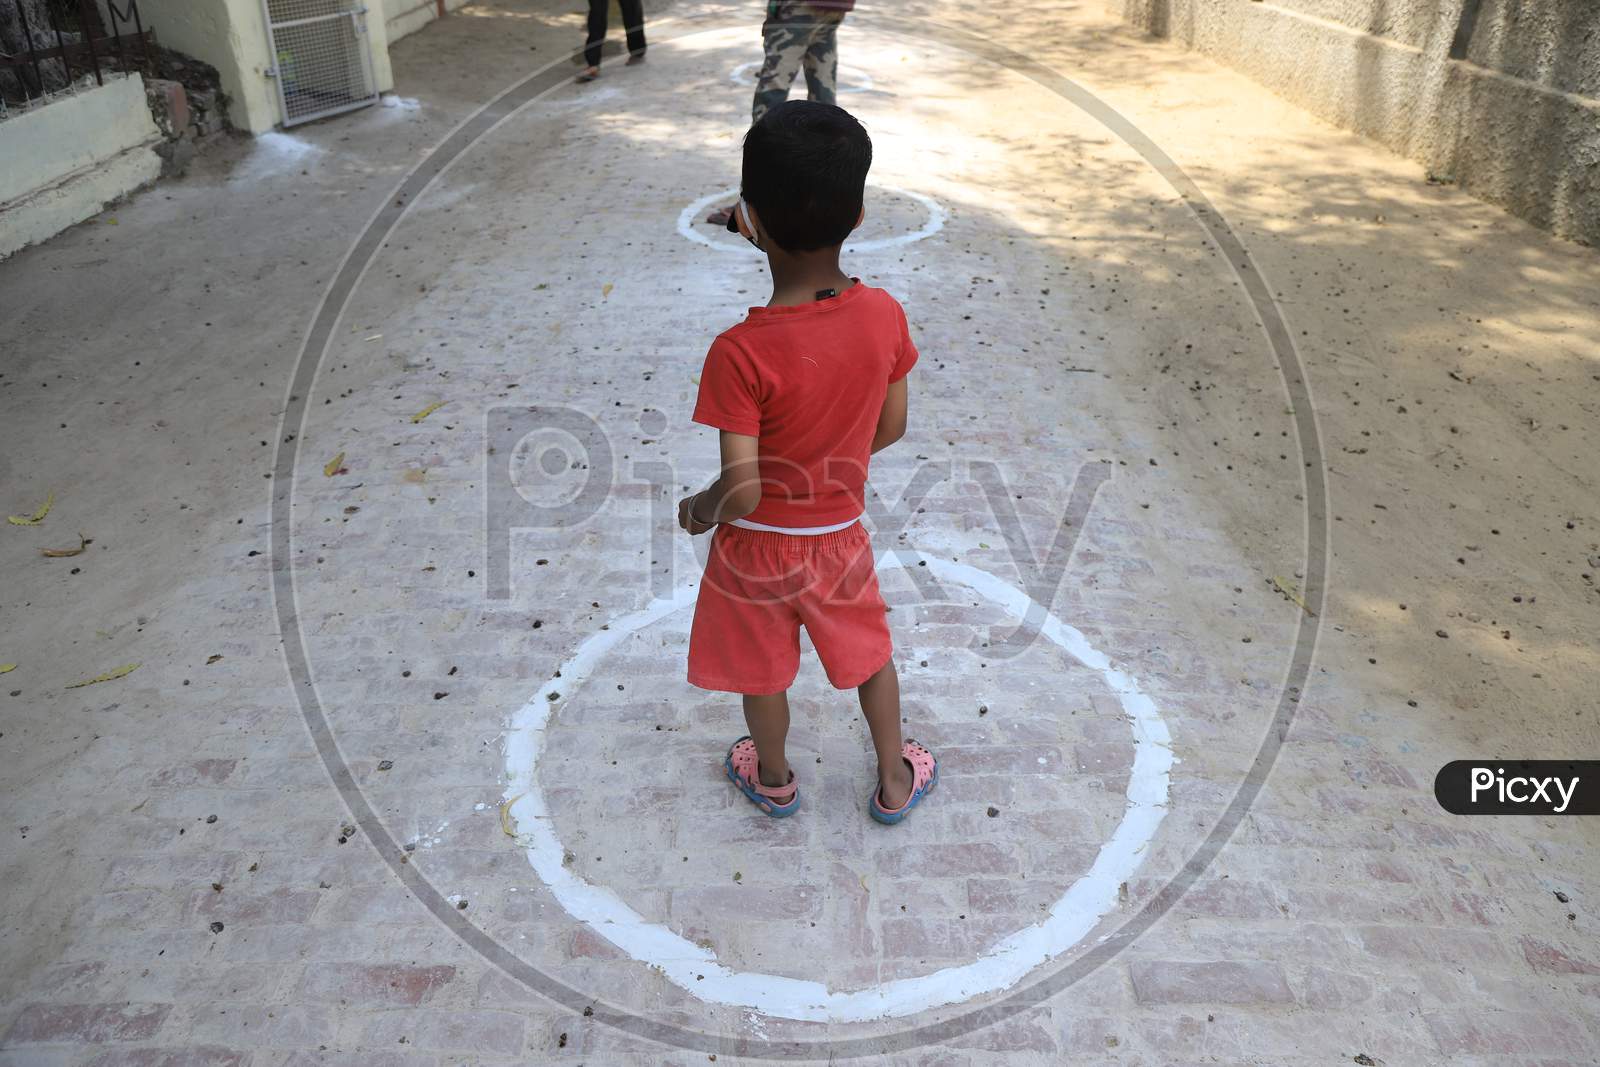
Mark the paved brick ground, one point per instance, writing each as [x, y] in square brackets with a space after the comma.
[1072, 317]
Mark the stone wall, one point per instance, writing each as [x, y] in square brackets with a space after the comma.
[185, 119]
[1502, 96]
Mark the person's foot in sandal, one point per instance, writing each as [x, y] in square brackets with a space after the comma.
[744, 770]
[720, 216]
[589, 74]
[897, 794]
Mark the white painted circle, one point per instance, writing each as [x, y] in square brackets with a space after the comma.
[850, 79]
[692, 215]
[695, 968]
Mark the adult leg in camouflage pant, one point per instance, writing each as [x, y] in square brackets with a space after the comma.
[797, 35]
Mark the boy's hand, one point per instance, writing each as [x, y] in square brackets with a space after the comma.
[686, 519]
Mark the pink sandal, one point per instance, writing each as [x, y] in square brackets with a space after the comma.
[924, 776]
[744, 771]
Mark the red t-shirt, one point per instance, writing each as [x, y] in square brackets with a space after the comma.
[809, 381]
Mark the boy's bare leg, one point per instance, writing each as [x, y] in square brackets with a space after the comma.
[768, 720]
[880, 703]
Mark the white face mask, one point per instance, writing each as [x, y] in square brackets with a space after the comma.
[748, 231]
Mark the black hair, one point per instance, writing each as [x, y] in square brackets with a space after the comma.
[805, 172]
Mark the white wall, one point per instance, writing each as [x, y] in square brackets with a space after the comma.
[231, 35]
[62, 161]
[405, 17]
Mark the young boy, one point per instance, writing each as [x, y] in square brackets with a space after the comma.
[804, 390]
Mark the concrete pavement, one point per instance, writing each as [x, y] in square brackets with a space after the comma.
[1074, 319]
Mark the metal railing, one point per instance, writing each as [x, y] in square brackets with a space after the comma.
[46, 45]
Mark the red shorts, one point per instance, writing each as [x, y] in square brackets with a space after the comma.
[760, 587]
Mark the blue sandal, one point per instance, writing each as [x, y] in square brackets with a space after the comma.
[924, 776]
[744, 771]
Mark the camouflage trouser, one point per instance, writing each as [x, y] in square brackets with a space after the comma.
[797, 35]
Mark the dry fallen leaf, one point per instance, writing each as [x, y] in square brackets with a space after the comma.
[605, 290]
[62, 553]
[331, 468]
[109, 676]
[415, 475]
[7, 668]
[507, 826]
[1289, 591]
[212, 659]
[425, 412]
[37, 517]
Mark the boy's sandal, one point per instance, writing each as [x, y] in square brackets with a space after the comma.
[924, 776]
[589, 74]
[744, 771]
[720, 216]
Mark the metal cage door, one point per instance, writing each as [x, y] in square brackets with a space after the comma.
[322, 57]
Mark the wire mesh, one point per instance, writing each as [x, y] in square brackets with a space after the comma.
[321, 57]
[290, 10]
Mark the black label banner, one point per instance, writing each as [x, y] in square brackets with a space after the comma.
[1519, 787]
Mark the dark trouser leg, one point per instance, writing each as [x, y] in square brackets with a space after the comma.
[822, 59]
[633, 23]
[597, 31]
[783, 38]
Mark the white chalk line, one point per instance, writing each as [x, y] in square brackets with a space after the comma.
[689, 216]
[696, 969]
[850, 79]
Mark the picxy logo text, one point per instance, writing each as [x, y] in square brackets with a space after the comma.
[1519, 787]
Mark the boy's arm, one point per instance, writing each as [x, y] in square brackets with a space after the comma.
[892, 419]
[734, 494]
